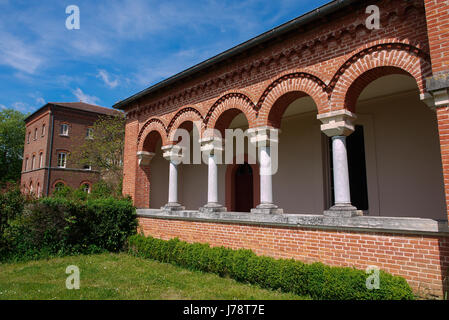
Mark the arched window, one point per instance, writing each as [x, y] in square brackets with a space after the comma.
[43, 130]
[86, 187]
[33, 162]
[59, 185]
[38, 190]
[31, 187]
[41, 160]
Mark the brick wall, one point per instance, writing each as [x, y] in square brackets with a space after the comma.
[423, 260]
[437, 16]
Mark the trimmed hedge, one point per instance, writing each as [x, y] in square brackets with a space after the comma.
[315, 280]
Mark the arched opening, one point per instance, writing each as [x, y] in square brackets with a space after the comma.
[152, 179]
[192, 173]
[299, 183]
[241, 174]
[399, 136]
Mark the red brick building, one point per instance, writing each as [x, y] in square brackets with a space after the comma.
[52, 132]
[361, 117]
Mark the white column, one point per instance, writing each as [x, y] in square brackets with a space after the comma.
[212, 187]
[173, 154]
[266, 183]
[212, 148]
[264, 138]
[173, 183]
[338, 125]
[341, 173]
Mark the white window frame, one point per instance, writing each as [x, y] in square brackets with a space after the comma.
[87, 169]
[90, 133]
[35, 133]
[62, 155]
[63, 132]
[41, 160]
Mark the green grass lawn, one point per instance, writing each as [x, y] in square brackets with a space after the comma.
[120, 276]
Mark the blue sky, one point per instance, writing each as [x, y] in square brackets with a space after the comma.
[122, 46]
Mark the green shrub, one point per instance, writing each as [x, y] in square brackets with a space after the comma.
[59, 226]
[315, 280]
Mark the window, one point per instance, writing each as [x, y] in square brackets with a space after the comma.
[38, 190]
[90, 133]
[43, 130]
[33, 162]
[41, 160]
[86, 187]
[35, 134]
[28, 137]
[31, 187]
[26, 164]
[87, 167]
[62, 159]
[64, 130]
[59, 185]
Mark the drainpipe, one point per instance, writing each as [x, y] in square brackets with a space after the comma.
[52, 120]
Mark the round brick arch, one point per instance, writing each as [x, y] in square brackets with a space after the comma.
[286, 89]
[230, 101]
[187, 114]
[150, 133]
[372, 63]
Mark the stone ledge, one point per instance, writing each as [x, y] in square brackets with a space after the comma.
[363, 223]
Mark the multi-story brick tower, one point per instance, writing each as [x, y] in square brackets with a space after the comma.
[52, 132]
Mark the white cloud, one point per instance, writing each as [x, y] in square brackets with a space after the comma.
[81, 96]
[14, 53]
[21, 106]
[104, 75]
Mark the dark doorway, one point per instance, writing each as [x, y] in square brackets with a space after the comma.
[355, 146]
[243, 188]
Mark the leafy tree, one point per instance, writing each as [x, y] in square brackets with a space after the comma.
[12, 137]
[103, 150]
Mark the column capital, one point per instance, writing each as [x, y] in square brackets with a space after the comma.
[263, 135]
[211, 144]
[172, 152]
[436, 99]
[337, 123]
[144, 158]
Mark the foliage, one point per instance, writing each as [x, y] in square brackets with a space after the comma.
[12, 138]
[11, 204]
[101, 189]
[59, 226]
[104, 151]
[315, 280]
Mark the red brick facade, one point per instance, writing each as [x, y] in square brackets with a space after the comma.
[52, 116]
[331, 59]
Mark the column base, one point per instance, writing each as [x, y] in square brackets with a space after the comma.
[267, 208]
[212, 207]
[346, 211]
[173, 206]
